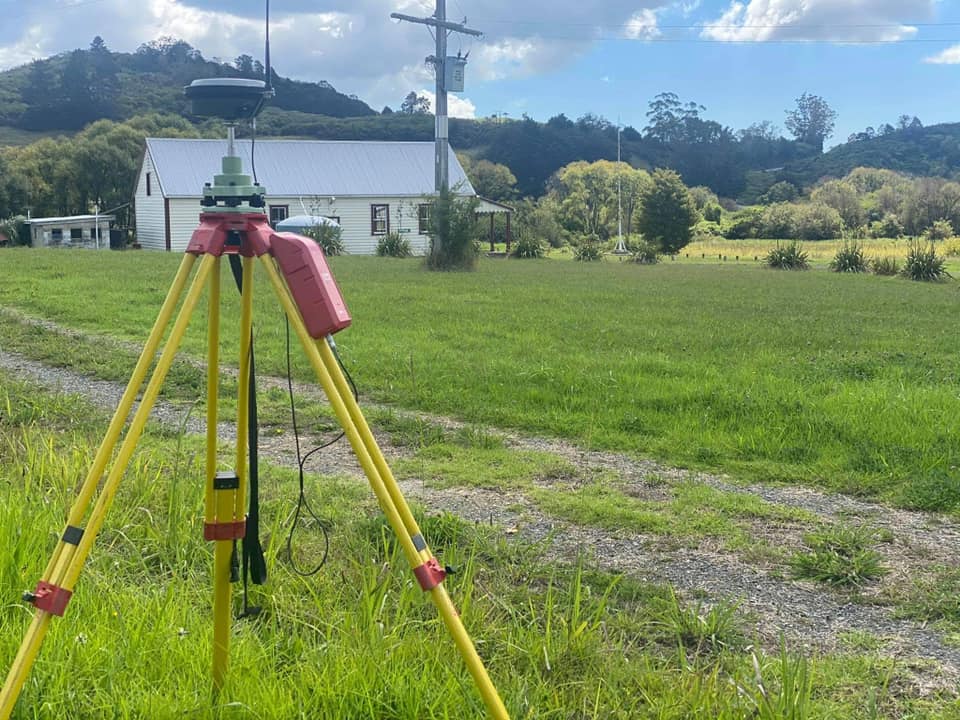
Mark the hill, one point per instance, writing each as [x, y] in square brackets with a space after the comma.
[68, 91]
[922, 151]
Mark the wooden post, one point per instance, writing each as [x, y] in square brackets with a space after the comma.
[491, 233]
[508, 233]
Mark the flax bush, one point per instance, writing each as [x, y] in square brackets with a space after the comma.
[787, 257]
[850, 258]
[923, 264]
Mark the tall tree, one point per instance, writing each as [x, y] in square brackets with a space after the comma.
[812, 121]
[667, 212]
[414, 104]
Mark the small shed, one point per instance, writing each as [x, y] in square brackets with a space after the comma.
[86, 231]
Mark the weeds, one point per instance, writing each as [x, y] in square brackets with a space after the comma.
[886, 265]
[394, 245]
[702, 629]
[645, 253]
[839, 555]
[588, 251]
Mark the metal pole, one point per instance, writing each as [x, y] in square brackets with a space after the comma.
[442, 132]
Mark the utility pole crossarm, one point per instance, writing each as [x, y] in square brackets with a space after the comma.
[455, 27]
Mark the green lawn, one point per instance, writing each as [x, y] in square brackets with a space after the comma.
[849, 382]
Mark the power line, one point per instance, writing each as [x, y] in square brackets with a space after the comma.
[732, 26]
[733, 41]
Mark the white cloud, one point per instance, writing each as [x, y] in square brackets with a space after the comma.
[950, 56]
[642, 25]
[353, 44]
[825, 20]
[458, 107]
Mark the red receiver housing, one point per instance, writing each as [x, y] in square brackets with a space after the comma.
[312, 285]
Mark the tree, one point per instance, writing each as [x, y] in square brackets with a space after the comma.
[490, 180]
[812, 121]
[414, 104]
[667, 212]
[764, 130]
[842, 197]
[779, 192]
[244, 65]
[452, 231]
[669, 119]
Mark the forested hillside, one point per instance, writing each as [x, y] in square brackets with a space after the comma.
[69, 91]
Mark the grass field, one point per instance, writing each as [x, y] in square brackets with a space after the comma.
[359, 639]
[847, 382]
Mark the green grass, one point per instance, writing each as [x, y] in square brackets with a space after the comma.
[360, 639]
[841, 381]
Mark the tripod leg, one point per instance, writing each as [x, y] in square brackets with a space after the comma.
[76, 543]
[428, 573]
[230, 501]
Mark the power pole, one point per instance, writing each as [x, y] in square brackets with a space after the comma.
[439, 61]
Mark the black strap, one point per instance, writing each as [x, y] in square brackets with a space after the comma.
[254, 562]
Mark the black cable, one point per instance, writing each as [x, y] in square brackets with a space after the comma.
[253, 149]
[303, 505]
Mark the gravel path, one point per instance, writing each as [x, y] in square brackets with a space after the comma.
[805, 613]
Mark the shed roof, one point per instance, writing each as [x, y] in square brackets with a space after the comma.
[70, 219]
[291, 168]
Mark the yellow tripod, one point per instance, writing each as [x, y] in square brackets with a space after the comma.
[311, 301]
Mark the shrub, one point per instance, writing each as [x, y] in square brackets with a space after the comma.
[887, 227]
[394, 245]
[16, 230]
[587, 251]
[328, 237]
[779, 221]
[645, 253]
[743, 225]
[849, 258]
[528, 245]
[923, 264]
[780, 192]
[940, 230]
[712, 213]
[839, 555]
[787, 257]
[886, 265]
[819, 222]
[452, 230]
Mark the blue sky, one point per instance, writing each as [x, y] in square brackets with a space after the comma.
[745, 60]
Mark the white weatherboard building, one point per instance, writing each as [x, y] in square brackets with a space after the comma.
[370, 188]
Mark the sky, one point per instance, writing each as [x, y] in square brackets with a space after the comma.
[745, 60]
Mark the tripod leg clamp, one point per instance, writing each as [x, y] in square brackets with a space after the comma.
[49, 598]
[430, 574]
[225, 530]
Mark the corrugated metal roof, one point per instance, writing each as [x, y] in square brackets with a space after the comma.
[290, 168]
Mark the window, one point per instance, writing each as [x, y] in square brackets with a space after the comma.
[149, 188]
[379, 219]
[56, 236]
[279, 213]
[423, 218]
[76, 234]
